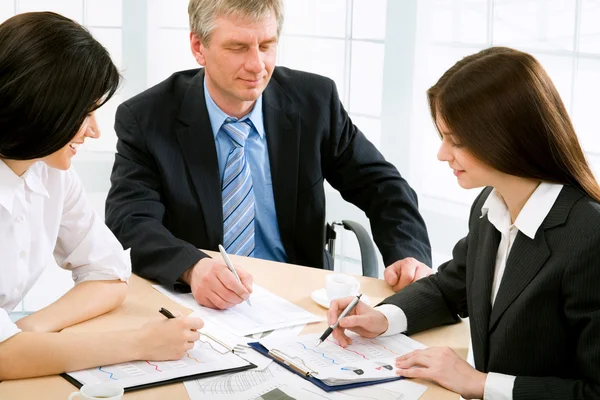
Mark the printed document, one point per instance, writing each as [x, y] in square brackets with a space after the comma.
[268, 312]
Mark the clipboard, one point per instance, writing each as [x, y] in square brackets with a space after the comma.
[181, 378]
[306, 374]
[78, 384]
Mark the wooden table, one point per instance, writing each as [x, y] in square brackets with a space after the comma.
[288, 281]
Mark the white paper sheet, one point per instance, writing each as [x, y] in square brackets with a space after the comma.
[238, 343]
[291, 331]
[268, 312]
[254, 385]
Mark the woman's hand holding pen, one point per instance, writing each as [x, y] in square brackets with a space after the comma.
[168, 339]
[364, 320]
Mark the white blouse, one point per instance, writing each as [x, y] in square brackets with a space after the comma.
[46, 218]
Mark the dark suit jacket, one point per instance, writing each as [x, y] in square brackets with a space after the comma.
[544, 327]
[165, 199]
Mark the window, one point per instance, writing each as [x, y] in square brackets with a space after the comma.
[563, 35]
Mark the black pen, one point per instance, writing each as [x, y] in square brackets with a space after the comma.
[348, 308]
[166, 313]
[169, 315]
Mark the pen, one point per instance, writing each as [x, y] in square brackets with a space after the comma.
[290, 364]
[166, 313]
[348, 308]
[169, 315]
[230, 266]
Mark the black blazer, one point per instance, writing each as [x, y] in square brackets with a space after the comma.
[165, 199]
[544, 327]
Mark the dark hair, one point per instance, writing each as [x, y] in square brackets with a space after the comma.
[53, 73]
[502, 106]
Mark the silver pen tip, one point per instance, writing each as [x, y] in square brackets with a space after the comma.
[318, 343]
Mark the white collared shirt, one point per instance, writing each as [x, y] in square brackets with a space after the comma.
[46, 218]
[536, 209]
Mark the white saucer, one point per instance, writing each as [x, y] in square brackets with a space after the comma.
[320, 297]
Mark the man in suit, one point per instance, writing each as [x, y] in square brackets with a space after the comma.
[237, 153]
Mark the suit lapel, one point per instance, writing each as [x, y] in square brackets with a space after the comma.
[283, 137]
[524, 261]
[199, 151]
[481, 289]
[527, 256]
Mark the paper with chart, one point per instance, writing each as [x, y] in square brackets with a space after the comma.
[364, 360]
[204, 357]
[268, 312]
[275, 382]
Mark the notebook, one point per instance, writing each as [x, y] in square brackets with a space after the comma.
[207, 358]
[332, 367]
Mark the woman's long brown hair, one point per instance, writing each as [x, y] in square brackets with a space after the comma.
[502, 106]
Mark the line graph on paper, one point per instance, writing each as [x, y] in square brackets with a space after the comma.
[330, 355]
[141, 368]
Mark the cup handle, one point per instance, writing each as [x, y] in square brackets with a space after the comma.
[73, 395]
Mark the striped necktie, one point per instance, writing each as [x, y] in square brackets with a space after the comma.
[237, 192]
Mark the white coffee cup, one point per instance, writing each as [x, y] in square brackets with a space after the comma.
[106, 391]
[341, 285]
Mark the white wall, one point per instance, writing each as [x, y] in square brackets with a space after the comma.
[382, 54]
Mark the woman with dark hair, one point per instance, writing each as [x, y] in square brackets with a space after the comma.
[53, 76]
[527, 273]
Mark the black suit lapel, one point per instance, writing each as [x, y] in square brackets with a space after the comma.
[199, 151]
[283, 137]
[481, 289]
[527, 256]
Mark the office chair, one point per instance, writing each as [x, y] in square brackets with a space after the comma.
[368, 255]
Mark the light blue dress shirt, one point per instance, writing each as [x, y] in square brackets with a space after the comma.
[267, 241]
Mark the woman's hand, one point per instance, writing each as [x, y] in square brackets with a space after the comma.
[446, 368]
[364, 320]
[168, 339]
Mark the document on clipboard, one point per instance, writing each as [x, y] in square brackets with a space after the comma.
[209, 356]
[332, 367]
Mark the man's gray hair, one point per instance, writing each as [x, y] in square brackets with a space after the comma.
[202, 13]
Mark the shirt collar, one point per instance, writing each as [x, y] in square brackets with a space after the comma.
[535, 210]
[33, 180]
[11, 183]
[217, 116]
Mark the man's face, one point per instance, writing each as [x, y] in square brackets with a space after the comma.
[239, 58]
